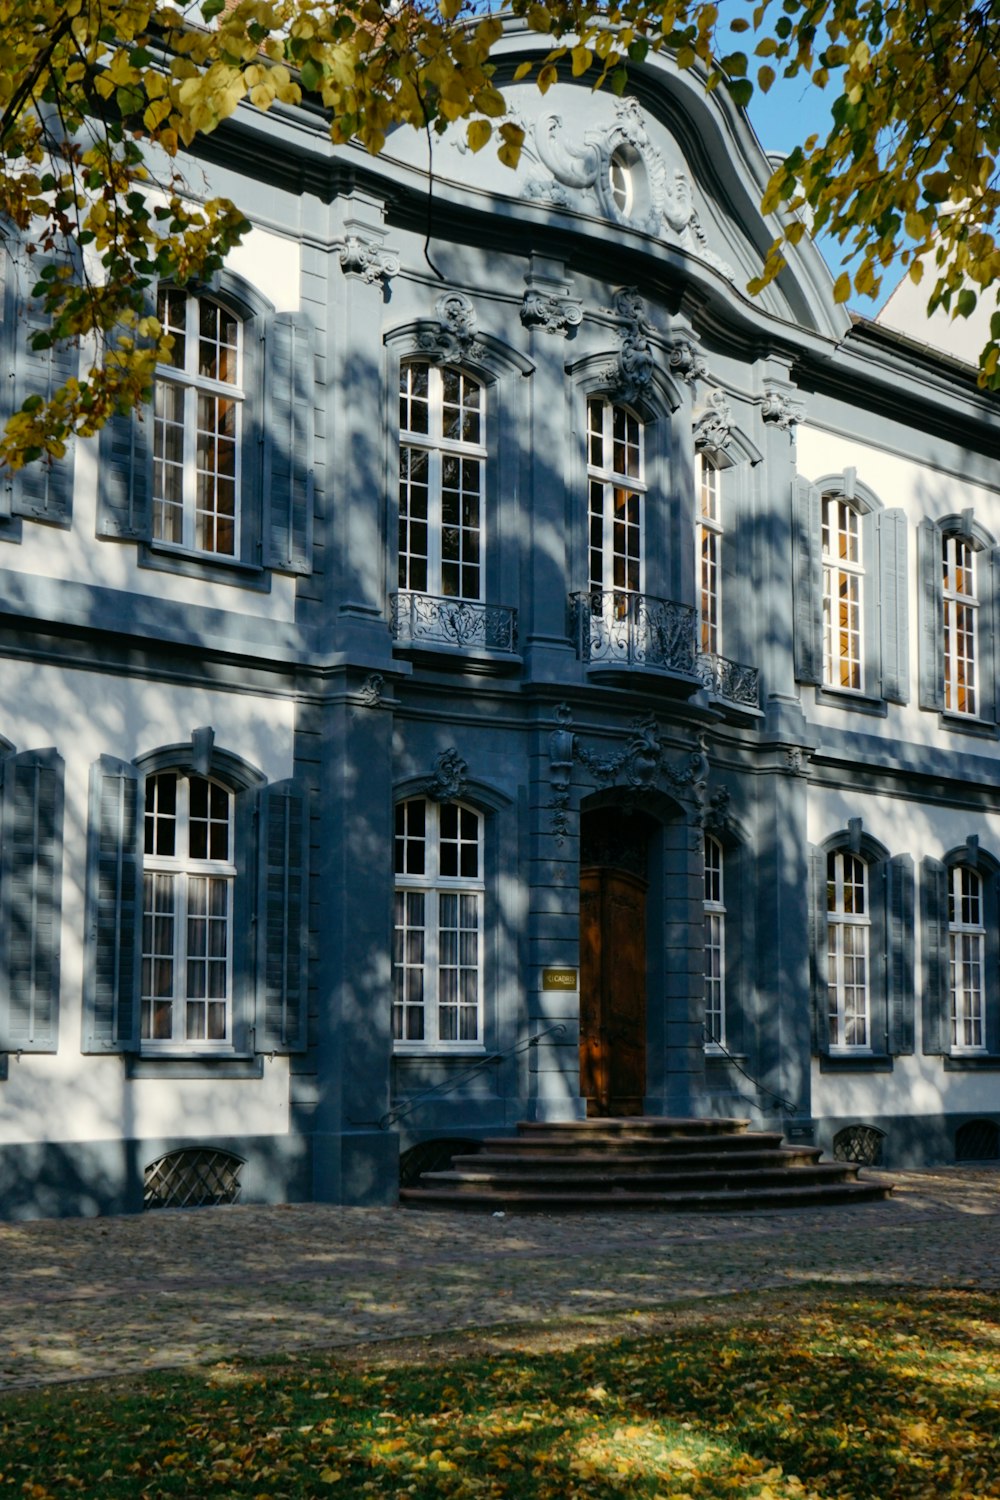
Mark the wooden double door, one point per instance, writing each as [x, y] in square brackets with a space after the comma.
[612, 990]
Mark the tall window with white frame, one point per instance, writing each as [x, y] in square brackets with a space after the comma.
[961, 605]
[709, 552]
[197, 426]
[442, 469]
[966, 956]
[848, 927]
[715, 946]
[617, 501]
[188, 881]
[843, 583]
[438, 944]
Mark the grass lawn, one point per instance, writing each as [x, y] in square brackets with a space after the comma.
[815, 1393]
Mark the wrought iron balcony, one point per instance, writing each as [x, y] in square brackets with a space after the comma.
[416, 619]
[639, 631]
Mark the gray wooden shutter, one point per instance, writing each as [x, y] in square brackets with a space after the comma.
[899, 917]
[7, 333]
[934, 941]
[31, 890]
[282, 918]
[808, 583]
[818, 951]
[42, 490]
[288, 445]
[125, 482]
[895, 640]
[989, 655]
[930, 610]
[114, 909]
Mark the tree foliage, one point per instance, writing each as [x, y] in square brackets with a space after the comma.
[99, 99]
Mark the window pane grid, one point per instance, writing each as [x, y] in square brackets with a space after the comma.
[842, 594]
[197, 423]
[960, 623]
[437, 958]
[848, 981]
[441, 482]
[715, 928]
[615, 498]
[966, 955]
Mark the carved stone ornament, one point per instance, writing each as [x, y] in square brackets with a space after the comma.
[616, 171]
[687, 361]
[554, 313]
[781, 408]
[448, 781]
[714, 427]
[454, 339]
[368, 259]
[373, 689]
[717, 817]
[632, 372]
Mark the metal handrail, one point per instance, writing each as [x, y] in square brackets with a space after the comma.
[448, 1085]
[786, 1104]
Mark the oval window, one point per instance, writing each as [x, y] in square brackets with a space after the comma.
[622, 181]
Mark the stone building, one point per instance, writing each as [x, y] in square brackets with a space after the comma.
[509, 673]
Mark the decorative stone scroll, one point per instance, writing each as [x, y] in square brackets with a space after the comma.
[714, 427]
[454, 338]
[687, 360]
[448, 780]
[632, 372]
[373, 689]
[552, 313]
[367, 259]
[781, 408]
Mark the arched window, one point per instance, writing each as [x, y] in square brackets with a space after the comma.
[715, 945]
[438, 944]
[197, 426]
[966, 959]
[616, 498]
[843, 583]
[960, 619]
[848, 924]
[709, 551]
[189, 874]
[442, 469]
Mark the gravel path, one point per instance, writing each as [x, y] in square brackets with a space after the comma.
[93, 1297]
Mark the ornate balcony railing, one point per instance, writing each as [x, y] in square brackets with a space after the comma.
[638, 630]
[730, 680]
[635, 630]
[419, 618]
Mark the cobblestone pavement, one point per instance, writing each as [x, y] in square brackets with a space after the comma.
[91, 1297]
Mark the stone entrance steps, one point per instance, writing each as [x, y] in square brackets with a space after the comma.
[675, 1165]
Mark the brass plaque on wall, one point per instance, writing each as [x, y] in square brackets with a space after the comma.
[560, 979]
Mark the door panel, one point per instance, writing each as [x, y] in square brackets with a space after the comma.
[612, 991]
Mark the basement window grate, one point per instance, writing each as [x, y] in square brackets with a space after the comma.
[859, 1143]
[195, 1177]
[977, 1140]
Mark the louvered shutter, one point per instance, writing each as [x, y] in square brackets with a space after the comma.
[288, 445]
[114, 909]
[282, 917]
[895, 641]
[931, 606]
[808, 583]
[818, 951]
[899, 915]
[125, 482]
[30, 897]
[934, 940]
[42, 490]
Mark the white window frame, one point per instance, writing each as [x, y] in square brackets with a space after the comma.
[715, 946]
[427, 959]
[960, 626]
[967, 953]
[183, 869]
[848, 939]
[843, 595]
[437, 447]
[187, 379]
[610, 482]
[708, 478]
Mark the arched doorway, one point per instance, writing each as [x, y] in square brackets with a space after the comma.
[614, 845]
